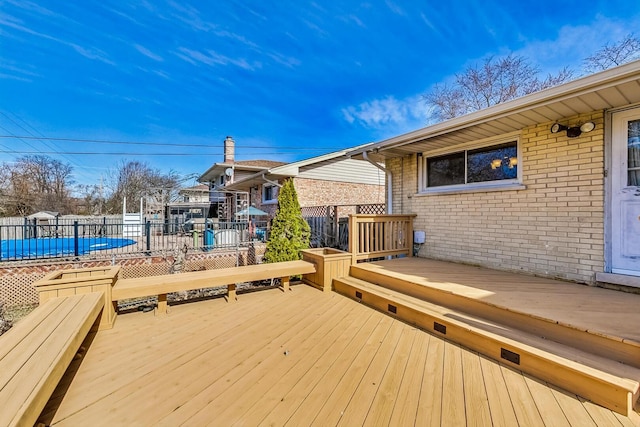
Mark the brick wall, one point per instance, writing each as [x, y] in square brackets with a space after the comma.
[553, 228]
[313, 192]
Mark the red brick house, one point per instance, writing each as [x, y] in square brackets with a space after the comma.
[329, 179]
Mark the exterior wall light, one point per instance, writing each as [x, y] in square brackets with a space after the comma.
[573, 131]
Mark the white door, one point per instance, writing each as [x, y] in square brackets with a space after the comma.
[625, 181]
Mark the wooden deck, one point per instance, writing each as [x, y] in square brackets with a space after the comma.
[597, 310]
[300, 358]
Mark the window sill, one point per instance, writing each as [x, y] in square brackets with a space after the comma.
[474, 189]
[269, 202]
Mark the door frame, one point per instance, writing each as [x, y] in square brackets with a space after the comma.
[608, 192]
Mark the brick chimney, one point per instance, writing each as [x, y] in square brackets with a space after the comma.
[229, 150]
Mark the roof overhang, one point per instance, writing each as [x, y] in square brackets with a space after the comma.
[289, 170]
[257, 179]
[614, 88]
[218, 169]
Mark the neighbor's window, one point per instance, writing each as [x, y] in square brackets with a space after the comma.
[269, 193]
[480, 165]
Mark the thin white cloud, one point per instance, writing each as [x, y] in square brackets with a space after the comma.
[213, 58]
[190, 16]
[18, 70]
[574, 43]
[395, 8]
[235, 36]
[351, 18]
[287, 61]
[92, 53]
[321, 32]
[14, 77]
[387, 111]
[428, 22]
[146, 52]
[33, 7]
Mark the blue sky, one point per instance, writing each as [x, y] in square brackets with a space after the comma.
[288, 79]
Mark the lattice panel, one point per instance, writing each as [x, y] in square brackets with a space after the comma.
[16, 283]
[377, 209]
[314, 211]
[143, 270]
[18, 289]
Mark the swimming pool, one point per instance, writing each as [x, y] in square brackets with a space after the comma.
[55, 247]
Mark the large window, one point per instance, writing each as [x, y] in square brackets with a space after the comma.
[488, 165]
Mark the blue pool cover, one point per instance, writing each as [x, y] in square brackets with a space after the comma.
[55, 247]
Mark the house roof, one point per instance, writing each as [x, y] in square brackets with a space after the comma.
[613, 88]
[287, 169]
[245, 165]
[200, 188]
[44, 215]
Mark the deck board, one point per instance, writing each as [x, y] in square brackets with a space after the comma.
[527, 412]
[347, 364]
[475, 395]
[407, 399]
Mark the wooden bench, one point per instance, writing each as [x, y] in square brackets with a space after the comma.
[162, 285]
[37, 351]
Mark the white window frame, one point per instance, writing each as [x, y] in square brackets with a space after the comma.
[499, 185]
[266, 201]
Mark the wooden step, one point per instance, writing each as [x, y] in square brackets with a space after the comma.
[605, 345]
[606, 382]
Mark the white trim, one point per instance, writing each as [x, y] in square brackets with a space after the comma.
[473, 188]
[480, 143]
[618, 279]
[625, 272]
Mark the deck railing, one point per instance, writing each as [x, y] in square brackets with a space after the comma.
[377, 236]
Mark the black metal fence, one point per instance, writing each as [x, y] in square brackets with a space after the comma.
[103, 237]
[99, 239]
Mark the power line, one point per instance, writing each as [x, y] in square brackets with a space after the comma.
[32, 136]
[159, 144]
[101, 153]
[88, 153]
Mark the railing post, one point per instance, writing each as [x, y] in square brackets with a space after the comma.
[76, 252]
[353, 238]
[147, 229]
[410, 237]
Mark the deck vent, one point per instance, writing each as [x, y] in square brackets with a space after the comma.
[438, 327]
[392, 309]
[358, 294]
[510, 356]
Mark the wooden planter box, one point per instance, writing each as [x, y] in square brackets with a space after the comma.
[81, 281]
[330, 264]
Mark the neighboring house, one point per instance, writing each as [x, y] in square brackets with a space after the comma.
[196, 194]
[327, 180]
[510, 187]
[192, 204]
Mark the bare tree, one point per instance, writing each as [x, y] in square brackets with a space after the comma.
[137, 180]
[494, 81]
[34, 183]
[611, 55]
[92, 198]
